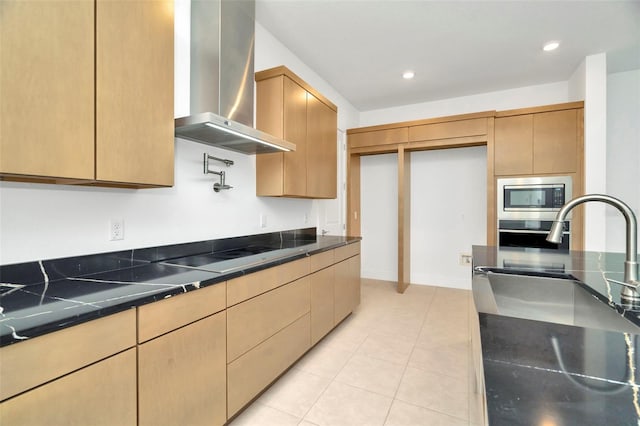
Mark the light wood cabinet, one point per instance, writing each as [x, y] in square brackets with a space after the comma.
[182, 375]
[335, 290]
[248, 286]
[47, 86]
[134, 92]
[537, 143]
[256, 369]
[347, 287]
[182, 359]
[103, 393]
[322, 302]
[255, 320]
[555, 142]
[448, 130]
[344, 252]
[321, 260]
[24, 366]
[169, 314]
[269, 332]
[74, 113]
[187, 359]
[543, 140]
[289, 108]
[513, 139]
[322, 160]
[379, 137]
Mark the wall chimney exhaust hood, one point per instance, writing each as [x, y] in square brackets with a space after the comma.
[221, 89]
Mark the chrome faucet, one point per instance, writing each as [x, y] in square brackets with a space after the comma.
[629, 294]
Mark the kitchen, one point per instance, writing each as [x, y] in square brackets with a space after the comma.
[75, 220]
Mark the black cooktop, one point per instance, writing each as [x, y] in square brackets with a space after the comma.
[205, 259]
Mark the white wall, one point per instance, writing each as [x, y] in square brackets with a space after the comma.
[577, 83]
[595, 149]
[45, 221]
[448, 213]
[521, 97]
[623, 151]
[49, 221]
[379, 221]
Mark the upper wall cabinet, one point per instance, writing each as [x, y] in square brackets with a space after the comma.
[87, 92]
[289, 108]
[431, 133]
[379, 137]
[544, 142]
[47, 85]
[134, 92]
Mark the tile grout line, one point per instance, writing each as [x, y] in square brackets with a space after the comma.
[404, 371]
[329, 384]
[468, 419]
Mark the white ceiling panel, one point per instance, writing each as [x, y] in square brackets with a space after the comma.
[456, 48]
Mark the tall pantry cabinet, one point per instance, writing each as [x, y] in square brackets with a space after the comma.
[87, 92]
[287, 107]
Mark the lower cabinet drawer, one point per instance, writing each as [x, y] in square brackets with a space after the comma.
[103, 393]
[255, 320]
[28, 364]
[154, 319]
[256, 369]
[344, 252]
[321, 260]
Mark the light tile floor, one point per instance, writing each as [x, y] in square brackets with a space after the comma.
[399, 359]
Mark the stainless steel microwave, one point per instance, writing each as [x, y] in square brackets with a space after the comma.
[532, 198]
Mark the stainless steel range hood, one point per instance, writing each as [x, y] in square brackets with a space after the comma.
[221, 89]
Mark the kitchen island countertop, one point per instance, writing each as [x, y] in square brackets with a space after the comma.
[543, 373]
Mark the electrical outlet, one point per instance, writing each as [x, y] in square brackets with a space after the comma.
[306, 218]
[116, 229]
[464, 259]
[263, 220]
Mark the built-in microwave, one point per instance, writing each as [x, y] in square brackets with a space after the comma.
[526, 209]
[532, 198]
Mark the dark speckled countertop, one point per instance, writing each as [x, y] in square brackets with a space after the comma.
[544, 373]
[47, 295]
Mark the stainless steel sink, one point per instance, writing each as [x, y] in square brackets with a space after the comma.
[554, 299]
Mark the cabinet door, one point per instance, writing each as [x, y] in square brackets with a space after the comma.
[134, 92]
[270, 119]
[101, 394]
[322, 153]
[322, 289]
[295, 130]
[555, 142]
[47, 84]
[347, 287]
[182, 375]
[514, 145]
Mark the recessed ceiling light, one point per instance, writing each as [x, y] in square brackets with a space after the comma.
[408, 75]
[552, 45]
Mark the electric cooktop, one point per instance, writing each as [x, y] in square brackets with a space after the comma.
[234, 259]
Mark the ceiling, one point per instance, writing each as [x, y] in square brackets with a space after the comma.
[456, 48]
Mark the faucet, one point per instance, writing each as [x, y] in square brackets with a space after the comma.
[629, 295]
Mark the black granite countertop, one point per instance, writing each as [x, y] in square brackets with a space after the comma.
[539, 373]
[47, 295]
